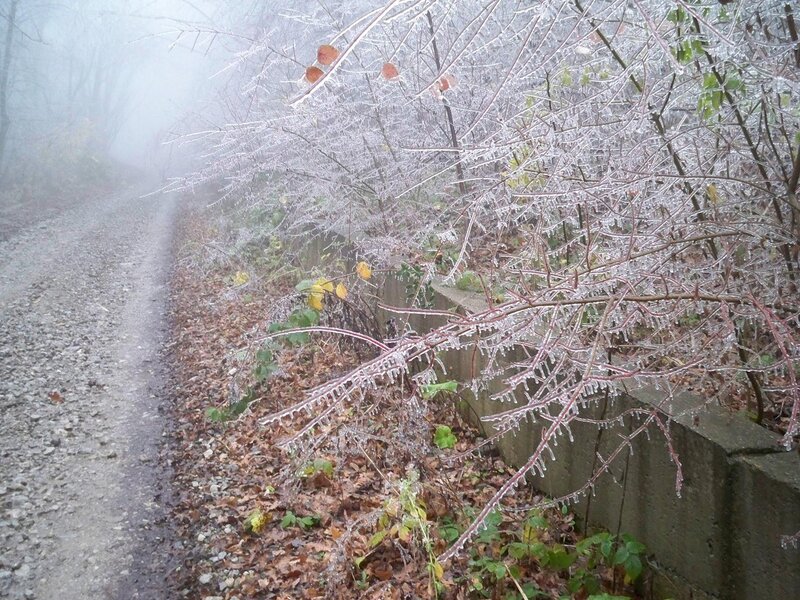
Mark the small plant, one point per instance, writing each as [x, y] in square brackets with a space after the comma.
[292, 520]
[302, 317]
[469, 282]
[405, 518]
[419, 290]
[621, 554]
[429, 390]
[502, 560]
[318, 465]
[265, 364]
[443, 437]
[232, 411]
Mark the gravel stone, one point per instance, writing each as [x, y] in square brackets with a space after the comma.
[82, 301]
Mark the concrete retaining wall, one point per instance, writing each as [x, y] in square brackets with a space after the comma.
[741, 492]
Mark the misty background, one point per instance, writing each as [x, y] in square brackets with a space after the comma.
[88, 86]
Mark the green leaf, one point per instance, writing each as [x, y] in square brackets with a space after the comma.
[288, 520]
[634, 547]
[449, 530]
[444, 438]
[307, 522]
[305, 285]
[216, 415]
[429, 390]
[537, 520]
[498, 569]
[633, 567]
[683, 53]
[520, 550]
[531, 590]
[377, 538]
[490, 533]
[558, 558]
[733, 83]
[621, 555]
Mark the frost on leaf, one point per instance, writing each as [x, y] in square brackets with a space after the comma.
[327, 54]
[313, 74]
[446, 82]
[389, 71]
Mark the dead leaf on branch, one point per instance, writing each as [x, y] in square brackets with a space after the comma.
[313, 74]
[447, 82]
[389, 71]
[327, 54]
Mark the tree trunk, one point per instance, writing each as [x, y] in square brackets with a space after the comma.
[5, 122]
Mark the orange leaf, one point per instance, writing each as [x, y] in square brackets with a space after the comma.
[389, 71]
[326, 54]
[313, 74]
[446, 82]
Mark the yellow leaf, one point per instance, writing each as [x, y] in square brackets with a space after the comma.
[363, 269]
[315, 300]
[325, 284]
[341, 291]
[529, 534]
[241, 278]
[438, 570]
[404, 533]
[713, 196]
[256, 520]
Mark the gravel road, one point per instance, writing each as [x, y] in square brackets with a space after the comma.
[82, 330]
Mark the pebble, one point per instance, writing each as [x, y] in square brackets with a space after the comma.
[23, 572]
[61, 329]
[205, 578]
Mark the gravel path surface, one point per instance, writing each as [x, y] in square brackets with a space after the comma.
[82, 309]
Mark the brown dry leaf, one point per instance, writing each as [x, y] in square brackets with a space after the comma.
[326, 54]
[313, 74]
[389, 71]
[382, 570]
[287, 562]
[55, 397]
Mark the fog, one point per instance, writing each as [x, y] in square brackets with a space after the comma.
[83, 82]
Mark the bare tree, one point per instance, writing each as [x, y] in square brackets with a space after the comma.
[5, 69]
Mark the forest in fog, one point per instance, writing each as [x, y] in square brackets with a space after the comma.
[596, 199]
